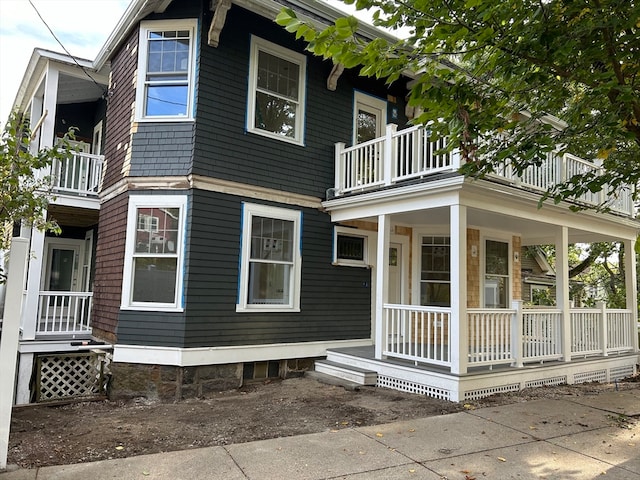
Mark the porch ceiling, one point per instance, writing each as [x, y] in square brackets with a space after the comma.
[73, 89]
[73, 217]
[533, 232]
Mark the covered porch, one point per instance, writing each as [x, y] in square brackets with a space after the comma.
[448, 317]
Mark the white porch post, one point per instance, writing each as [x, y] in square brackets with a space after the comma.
[516, 334]
[459, 332]
[382, 281]
[631, 287]
[604, 331]
[389, 153]
[562, 288]
[10, 339]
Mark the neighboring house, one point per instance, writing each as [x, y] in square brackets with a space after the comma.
[240, 237]
[57, 94]
[538, 277]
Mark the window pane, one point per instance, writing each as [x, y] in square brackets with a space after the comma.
[167, 100]
[367, 126]
[275, 115]
[157, 230]
[271, 239]
[350, 248]
[497, 258]
[436, 294]
[278, 75]
[268, 283]
[495, 292]
[154, 279]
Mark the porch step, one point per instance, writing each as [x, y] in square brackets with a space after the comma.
[353, 374]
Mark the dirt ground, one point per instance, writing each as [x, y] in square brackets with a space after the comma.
[90, 431]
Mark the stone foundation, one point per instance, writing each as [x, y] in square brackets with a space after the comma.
[169, 383]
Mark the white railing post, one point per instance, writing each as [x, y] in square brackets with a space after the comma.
[459, 327]
[516, 333]
[631, 288]
[389, 155]
[562, 288]
[382, 276]
[10, 338]
[604, 330]
[339, 147]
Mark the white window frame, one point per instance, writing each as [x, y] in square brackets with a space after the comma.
[249, 210]
[351, 232]
[143, 46]
[153, 201]
[483, 268]
[257, 45]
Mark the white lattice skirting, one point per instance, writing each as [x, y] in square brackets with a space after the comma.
[67, 376]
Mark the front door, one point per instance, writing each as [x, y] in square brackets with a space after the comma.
[62, 272]
[370, 115]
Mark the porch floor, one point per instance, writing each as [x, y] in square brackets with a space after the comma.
[482, 381]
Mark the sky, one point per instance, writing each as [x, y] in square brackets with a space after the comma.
[82, 26]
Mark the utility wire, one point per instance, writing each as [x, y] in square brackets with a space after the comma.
[104, 90]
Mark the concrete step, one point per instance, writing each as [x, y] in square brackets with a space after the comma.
[346, 372]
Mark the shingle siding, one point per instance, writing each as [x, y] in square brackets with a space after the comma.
[162, 149]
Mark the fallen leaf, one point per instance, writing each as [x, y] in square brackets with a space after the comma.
[531, 427]
[146, 474]
[379, 435]
[344, 423]
[119, 447]
[412, 430]
[412, 470]
[468, 406]
[502, 459]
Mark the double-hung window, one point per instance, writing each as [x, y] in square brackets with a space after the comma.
[270, 259]
[276, 91]
[154, 253]
[166, 70]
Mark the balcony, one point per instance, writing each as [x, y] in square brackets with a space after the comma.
[78, 175]
[64, 314]
[410, 155]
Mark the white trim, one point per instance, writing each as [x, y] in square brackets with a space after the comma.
[370, 104]
[164, 25]
[187, 357]
[153, 201]
[257, 45]
[97, 129]
[404, 241]
[249, 210]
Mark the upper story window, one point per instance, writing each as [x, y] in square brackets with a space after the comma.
[276, 92]
[154, 253]
[166, 70]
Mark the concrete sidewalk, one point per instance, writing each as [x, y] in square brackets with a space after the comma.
[577, 438]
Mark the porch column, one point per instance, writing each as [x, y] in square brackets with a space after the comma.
[562, 288]
[35, 265]
[631, 287]
[382, 281]
[458, 328]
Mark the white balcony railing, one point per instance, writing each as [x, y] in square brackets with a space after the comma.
[410, 154]
[79, 174]
[498, 336]
[64, 313]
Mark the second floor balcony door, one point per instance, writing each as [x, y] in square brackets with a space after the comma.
[370, 115]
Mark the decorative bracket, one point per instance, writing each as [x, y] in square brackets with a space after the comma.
[220, 9]
[332, 80]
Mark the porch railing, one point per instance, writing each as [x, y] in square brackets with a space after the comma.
[490, 336]
[78, 174]
[64, 313]
[498, 336]
[419, 334]
[410, 154]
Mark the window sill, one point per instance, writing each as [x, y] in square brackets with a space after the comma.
[273, 136]
[261, 309]
[151, 308]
